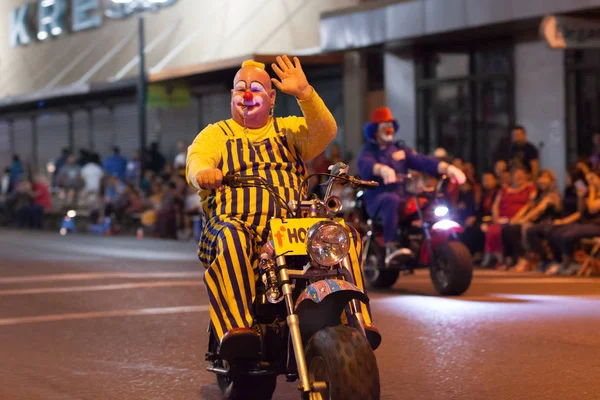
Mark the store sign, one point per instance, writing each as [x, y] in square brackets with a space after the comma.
[50, 17]
[568, 32]
[164, 95]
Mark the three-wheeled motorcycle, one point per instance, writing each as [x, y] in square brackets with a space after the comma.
[429, 238]
[307, 307]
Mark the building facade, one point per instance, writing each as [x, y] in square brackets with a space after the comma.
[68, 69]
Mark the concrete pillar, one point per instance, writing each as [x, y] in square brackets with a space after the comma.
[355, 90]
[540, 102]
[400, 93]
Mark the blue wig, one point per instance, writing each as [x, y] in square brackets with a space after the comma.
[370, 130]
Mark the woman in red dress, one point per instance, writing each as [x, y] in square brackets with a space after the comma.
[509, 201]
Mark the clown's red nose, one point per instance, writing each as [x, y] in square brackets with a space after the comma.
[389, 131]
[248, 96]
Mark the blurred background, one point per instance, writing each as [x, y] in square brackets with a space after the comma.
[457, 74]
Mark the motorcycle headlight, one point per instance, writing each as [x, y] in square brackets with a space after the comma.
[441, 211]
[327, 243]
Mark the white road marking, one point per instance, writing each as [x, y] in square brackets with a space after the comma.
[102, 314]
[90, 288]
[99, 275]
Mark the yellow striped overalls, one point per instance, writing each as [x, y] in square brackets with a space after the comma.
[236, 225]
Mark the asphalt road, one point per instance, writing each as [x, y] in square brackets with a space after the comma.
[118, 318]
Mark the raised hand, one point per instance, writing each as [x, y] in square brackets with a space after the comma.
[292, 80]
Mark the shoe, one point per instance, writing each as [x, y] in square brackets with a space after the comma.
[570, 270]
[373, 336]
[489, 261]
[553, 269]
[240, 344]
[522, 265]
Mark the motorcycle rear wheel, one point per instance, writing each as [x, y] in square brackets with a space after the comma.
[247, 387]
[343, 358]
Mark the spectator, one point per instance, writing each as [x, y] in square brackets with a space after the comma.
[132, 173]
[60, 162]
[116, 164]
[543, 208]
[508, 203]
[595, 157]
[21, 200]
[473, 237]
[563, 234]
[180, 158]
[69, 179]
[16, 171]
[5, 183]
[84, 157]
[575, 178]
[522, 153]
[156, 159]
[502, 173]
[192, 209]
[112, 194]
[441, 154]
[92, 174]
[42, 201]
[335, 153]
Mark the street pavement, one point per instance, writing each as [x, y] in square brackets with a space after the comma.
[89, 318]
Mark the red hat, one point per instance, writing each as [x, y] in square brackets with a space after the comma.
[382, 114]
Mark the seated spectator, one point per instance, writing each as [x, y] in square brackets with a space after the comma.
[132, 169]
[510, 200]
[91, 174]
[502, 173]
[112, 194]
[69, 179]
[564, 234]
[42, 201]
[193, 208]
[544, 207]
[20, 200]
[473, 236]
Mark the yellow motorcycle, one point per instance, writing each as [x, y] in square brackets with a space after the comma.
[305, 286]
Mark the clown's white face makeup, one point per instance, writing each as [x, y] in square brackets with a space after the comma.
[385, 132]
[252, 97]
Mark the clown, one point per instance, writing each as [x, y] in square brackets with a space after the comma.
[382, 159]
[253, 142]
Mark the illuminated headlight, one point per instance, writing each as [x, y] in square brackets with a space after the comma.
[327, 243]
[441, 211]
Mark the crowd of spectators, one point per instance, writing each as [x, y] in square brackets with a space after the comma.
[515, 217]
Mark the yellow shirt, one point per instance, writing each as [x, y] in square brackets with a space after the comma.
[311, 134]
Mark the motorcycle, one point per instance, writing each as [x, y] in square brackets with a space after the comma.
[304, 287]
[429, 238]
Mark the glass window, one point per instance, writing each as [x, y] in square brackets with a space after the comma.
[583, 101]
[469, 114]
[449, 65]
[448, 119]
[492, 121]
[492, 62]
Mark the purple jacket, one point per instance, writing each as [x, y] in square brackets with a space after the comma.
[401, 158]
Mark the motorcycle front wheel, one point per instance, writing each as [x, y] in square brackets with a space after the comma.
[453, 269]
[343, 358]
